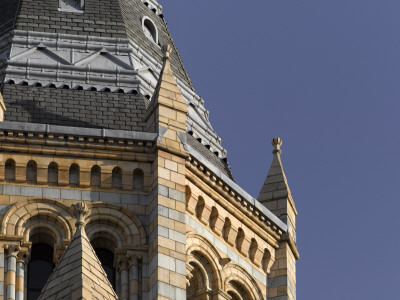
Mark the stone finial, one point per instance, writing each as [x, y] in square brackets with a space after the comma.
[167, 49]
[277, 143]
[80, 212]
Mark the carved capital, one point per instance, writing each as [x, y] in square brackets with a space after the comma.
[12, 250]
[134, 259]
[122, 263]
[23, 256]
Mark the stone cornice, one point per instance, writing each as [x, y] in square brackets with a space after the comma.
[217, 190]
[212, 174]
[75, 140]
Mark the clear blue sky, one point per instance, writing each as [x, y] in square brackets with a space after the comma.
[324, 76]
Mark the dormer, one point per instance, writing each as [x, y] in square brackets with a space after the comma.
[76, 6]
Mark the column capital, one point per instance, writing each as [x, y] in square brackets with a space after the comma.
[12, 250]
[134, 259]
[23, 256]
[122, 263]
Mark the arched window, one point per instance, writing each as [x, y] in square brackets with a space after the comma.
[74, 175]
[237, 291]
[52, 174]
[234, 296]
[138, 180]
[95, 177]
[40, 267]
[197, 281]
[116, 182]
[31, 172]
[9, 170]
[106, 258]
[150, 30]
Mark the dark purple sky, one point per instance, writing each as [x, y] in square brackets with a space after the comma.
[324, 76]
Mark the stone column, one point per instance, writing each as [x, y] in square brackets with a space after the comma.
[118, 282]
[3, 270]
[20, 285]
[123, 270]
[134, 261]
[11, 252]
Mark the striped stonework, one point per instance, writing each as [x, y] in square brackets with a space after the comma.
[167, 218]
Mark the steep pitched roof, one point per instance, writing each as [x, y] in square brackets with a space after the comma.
[112, 18]
[275, 185]
[79, 274]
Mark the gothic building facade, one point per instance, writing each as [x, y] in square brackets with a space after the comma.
[113, 183]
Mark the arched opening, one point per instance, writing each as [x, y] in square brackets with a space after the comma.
[227, 228]
[202, 278]
[116, 181]
[150, 30]
[41, 262]
[104, 247]
[95, 177]
[266, 259]
[200, 207]
[196, 281]
[74, 175]
[138, 180]
[106, 258]
[253, 249]
[9, 170]
[213, 217]
[52, 174]
[31, 172]
[237, 291]
[239, 239]
[234, 296]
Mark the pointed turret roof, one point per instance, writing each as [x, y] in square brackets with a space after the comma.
[79, 274]
[167, 92]
[275, 186]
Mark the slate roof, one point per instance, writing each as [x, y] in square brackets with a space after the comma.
[76, 108]
[111, 18]
[222, 165]
[8, 9]
[82, 108]
[79, 274]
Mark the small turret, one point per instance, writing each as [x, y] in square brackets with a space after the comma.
[276, 196]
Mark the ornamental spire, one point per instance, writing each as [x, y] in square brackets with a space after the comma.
[275, 186]
[79, 274]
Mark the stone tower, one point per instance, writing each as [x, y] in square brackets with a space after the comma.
[113, 183]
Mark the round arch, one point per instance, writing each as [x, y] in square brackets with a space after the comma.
[23, 217]
[197, 244]
[237, 274]
[119, 223]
